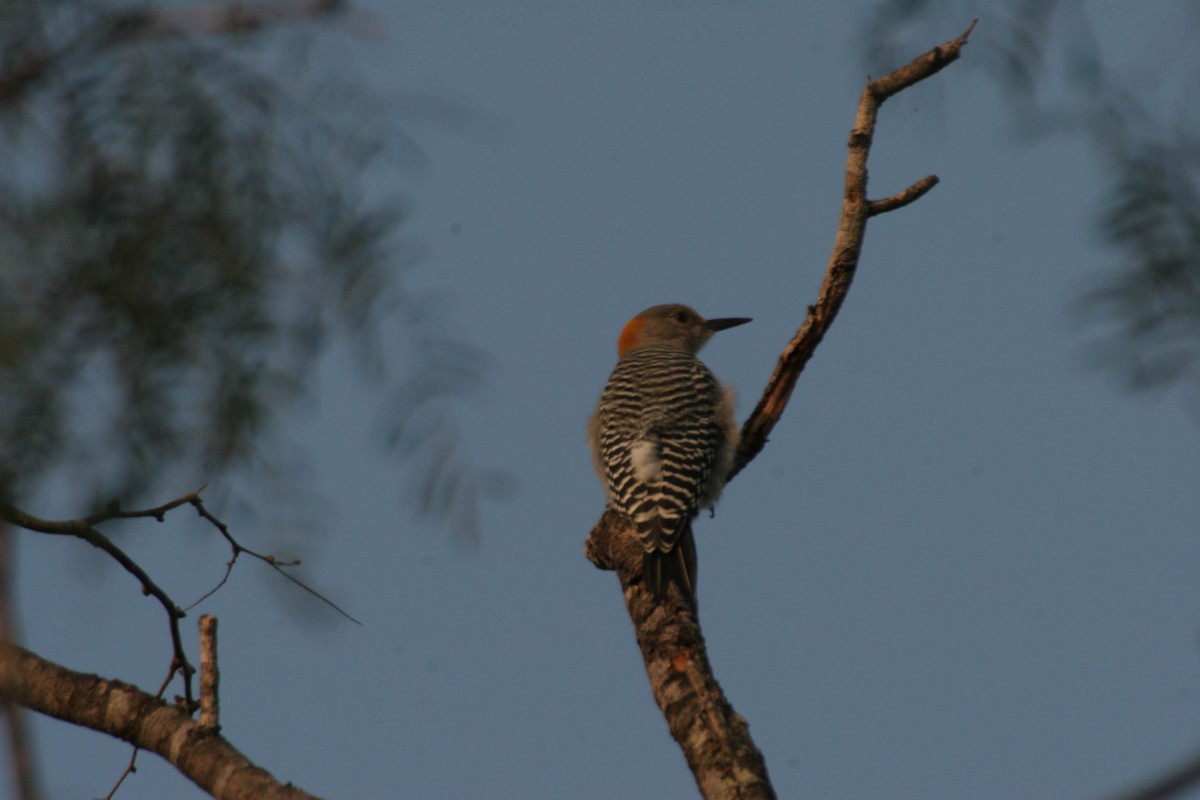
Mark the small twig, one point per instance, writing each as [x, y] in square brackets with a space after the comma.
[923, 66]
[162, 689]
[224, 579]
[210, 676]
[275, 563]
[901, 199]
[278, 567]
[130, 768]
[158, 512]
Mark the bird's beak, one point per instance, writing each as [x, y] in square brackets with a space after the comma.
[715, 325]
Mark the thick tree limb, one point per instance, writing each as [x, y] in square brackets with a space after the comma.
[714, 738]
[141, 719]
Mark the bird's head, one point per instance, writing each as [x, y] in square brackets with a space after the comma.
[672, 325]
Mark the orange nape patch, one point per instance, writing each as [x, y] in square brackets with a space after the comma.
[631, 337]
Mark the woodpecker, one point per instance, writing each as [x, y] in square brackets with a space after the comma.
[663, 437]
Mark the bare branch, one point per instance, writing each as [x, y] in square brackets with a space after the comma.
[847, 246]
[158, 512]
[85, 529]
[923, 66]
[130, 768]
[81, 529]
[224, 579]
[274, 563]
[126, 712]
[901, 199]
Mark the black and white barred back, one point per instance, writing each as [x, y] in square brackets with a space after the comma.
[659, 435]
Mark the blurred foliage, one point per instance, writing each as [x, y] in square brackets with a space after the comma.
[1139, 119]
[1150, 307]
[184, 228]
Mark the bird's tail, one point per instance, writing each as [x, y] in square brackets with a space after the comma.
[675, 566]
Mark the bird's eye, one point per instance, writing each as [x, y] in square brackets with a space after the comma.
[680, 316]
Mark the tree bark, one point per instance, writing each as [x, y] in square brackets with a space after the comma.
[142, 720]
[715, 739]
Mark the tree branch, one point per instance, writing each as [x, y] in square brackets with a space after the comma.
[237, 548]
[146, 722]
[715, 740]
[83, 529]
[847, 246]
[901, 199]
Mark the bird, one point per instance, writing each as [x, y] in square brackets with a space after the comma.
[663, 438]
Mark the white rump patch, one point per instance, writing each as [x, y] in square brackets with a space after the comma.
[646, 461]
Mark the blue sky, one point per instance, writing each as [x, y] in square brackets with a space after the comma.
[964, 566]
